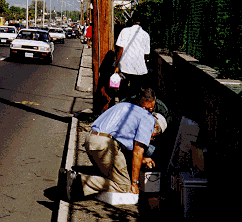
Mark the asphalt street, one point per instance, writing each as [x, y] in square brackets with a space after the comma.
[36, 104]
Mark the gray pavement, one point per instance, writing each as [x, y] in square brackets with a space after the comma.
[35, 108]
[91, 209]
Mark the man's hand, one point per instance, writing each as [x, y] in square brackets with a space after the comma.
[149, 162]
[134, 188]
[116, 70]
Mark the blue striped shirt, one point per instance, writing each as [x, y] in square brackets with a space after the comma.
[126, 122]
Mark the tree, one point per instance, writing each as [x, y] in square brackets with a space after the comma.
[153, 20]
[39, 9]
[15, 13]
[3, 6]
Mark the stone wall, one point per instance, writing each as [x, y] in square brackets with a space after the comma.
[195, 91]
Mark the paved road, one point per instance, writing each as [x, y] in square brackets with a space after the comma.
[34, 98]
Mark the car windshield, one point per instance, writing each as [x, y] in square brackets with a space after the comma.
[7, 30]
[33, 35]
[56, 31]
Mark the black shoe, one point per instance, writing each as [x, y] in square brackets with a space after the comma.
[70, 185]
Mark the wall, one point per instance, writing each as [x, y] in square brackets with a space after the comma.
[193, 90]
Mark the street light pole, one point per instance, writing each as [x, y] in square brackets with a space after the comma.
[43, 13]
[50, 10]
[35, 12]
[61, 13]
[27, 14]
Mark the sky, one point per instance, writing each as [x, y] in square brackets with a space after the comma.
[54, 3]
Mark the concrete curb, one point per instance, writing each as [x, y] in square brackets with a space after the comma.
[85, 77]
[84, 84]
[64, 207]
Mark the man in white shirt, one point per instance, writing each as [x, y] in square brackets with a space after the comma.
[134, 44]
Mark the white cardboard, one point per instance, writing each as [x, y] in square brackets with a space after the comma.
[118, 198]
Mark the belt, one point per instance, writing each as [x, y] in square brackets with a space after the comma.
[101, 134]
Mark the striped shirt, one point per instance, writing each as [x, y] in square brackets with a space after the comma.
[126, 122]
[136, 43]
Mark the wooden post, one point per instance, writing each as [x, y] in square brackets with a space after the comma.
[82, 13]
[102, 43]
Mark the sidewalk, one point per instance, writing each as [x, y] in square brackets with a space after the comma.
[92, 209]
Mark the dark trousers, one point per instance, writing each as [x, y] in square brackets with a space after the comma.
[131, 85]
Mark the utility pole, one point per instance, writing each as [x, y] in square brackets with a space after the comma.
[82, 6]
[102, 43]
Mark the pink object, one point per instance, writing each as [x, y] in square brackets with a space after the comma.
[115, 80]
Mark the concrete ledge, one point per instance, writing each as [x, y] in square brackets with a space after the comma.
[167, 59]
[186, 57]
[206, 69]
[234, 85]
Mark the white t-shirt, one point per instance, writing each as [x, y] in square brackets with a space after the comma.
[136, 43]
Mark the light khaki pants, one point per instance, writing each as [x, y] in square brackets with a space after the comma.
[106, 154]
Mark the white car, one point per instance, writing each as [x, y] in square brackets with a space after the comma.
[7, 34]
[32, 43]
[57, 34]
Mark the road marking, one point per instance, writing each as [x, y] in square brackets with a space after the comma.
[28, 102]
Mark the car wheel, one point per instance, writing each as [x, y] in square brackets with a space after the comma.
[63, 41]
[50, 59]
[12, 56]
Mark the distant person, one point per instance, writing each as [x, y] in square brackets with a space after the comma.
[89, 35]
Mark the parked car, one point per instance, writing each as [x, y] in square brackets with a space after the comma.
[34, 27]
[32, 43]
[17, 25]
[57, 34]
[7, 34]
[75, 33]
[68, 33]
[43, 28]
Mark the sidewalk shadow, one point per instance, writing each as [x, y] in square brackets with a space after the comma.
[53, 194]
[98, 210]
[104, 93]
[32, 109]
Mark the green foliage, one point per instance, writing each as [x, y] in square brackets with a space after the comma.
[3, 7]
[39, 9]
[120, 15]
[15, 13]
[151, 12]
[89, 118]
[209, 30]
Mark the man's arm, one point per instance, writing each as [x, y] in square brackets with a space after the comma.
[119, 54]
[136, 164]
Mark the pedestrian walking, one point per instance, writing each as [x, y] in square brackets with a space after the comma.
[134, 44]
[89, 35]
